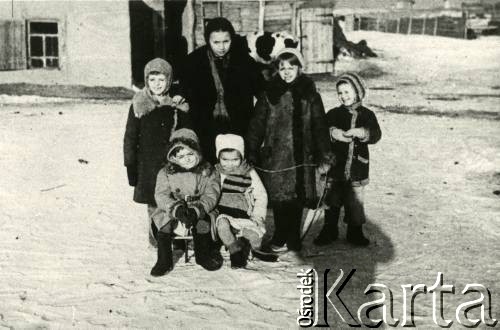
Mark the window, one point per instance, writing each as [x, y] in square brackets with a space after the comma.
[43, 45]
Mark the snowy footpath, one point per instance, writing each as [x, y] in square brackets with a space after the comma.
[74, 249]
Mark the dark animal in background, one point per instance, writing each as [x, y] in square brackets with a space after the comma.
[263, 47]
[345, 48]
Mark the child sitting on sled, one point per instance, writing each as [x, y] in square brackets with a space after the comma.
[243, 203]
[187, 191]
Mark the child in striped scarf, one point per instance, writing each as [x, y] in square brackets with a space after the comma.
[243, 203]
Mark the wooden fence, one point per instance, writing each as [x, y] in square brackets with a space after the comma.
[445, 26]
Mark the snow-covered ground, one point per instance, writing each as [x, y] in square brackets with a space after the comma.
[74, 250]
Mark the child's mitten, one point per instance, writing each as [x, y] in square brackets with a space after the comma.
[185, 215]
[336, 134]
[360, 133]
[323, 169]
[132, 175]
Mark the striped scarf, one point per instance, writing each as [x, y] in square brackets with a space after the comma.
[234, 201]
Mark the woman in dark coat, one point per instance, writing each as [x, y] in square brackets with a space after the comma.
[153, 116]
[221, 80]
[288, 139]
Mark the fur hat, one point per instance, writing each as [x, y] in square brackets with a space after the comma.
[229, 141]
[158, 65]
[355, 81]
[293, 51]
[186, 138]
[143, 101]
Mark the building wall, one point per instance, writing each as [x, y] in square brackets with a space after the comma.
[244, 15]
[94, 42]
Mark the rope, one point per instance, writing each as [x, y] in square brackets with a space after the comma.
[284, 169]
[320, 201]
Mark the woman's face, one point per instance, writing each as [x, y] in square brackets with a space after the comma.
[220, 42]
[157, 83]
[347, 94]
[287, 71]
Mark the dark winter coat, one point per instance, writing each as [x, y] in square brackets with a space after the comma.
[354, 161]
[145, 148]
[241, 81]
[288, 129]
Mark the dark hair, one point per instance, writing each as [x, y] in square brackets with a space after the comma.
[341, 82]
[289, 57]
[219, 24]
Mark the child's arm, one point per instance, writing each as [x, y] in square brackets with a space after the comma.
[130, 142]
[180, 103]
[370, 133]
[336, 133]
[163, 194]
[324, 155]
[209, 197]
[260, 199]
[256, 130]
[184, 120]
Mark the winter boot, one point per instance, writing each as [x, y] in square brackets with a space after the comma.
[215, 251]
[203, 253]
[165, 262]
[330, 230]
[238, 253]
[153, 235]
[355, 236]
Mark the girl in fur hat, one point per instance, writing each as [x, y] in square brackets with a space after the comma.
[156, 111]
[288, 140]
[187, 191]
[243, 203]
[352, 128]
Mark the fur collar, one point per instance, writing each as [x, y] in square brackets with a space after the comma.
[302, 87]
[144, 102]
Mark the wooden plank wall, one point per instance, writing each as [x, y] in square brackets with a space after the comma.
[244, 15]
[278, 16]
[316, 30]
[13, 45]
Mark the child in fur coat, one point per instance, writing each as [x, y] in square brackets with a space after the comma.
[243, 202]
[352, 128]
[187, 191]
[156, 111]
[287, 139]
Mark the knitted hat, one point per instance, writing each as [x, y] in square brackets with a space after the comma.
[293, 51]
[158, 65]
[229, 141]
[186, 138]
[355, 81]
